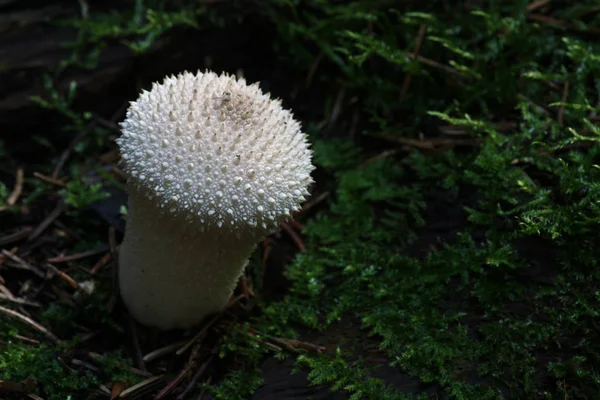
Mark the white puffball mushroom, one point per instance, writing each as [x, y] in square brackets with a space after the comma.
[213, 165]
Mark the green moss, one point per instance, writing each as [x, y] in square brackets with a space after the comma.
[53, 377]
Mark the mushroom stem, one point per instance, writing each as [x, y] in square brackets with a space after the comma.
[172, 274]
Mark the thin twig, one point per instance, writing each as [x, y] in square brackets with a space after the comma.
[434, 64]
[537, 4]
[139, 360]
[58, 210]
[63, 275]
[48, 179]
[551, 21]
[296, 344]
[312, 70]
[534, 104]
[26, 339]
[20, 301]
[22, 264]
[30, 322]
[383, 154]
[17, 190]
[176, 381]
[106, 123]
[140, 386]
[337, 108]
[430, 143]
[78, 256]
[6, 291]
[295, 237]
[99, 358]
[16, 236]
[65, 154]
[416, 50]
[206, 384]
[114, 252]
[192, 383]
[199, 335]
[266, 253]
[561, 110]
[101, 263]
[153, 355]
[208, 325]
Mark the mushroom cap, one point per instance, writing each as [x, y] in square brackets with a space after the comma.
[214, 150]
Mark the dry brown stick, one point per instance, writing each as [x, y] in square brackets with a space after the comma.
[31, 323]
[20, 301]
[208, 325]
[295, 237]
[22, 264]
[63, 296]
[136, 371]
[534, 104]
[6, 291]
[430, 143]
[200, 335]
[16, 236]
[192, 384]
[337, 107]
[26, 339]
[139, 359]
[60, 208]
[416, 50]
[296, 225]
[206, 384]
[246, 287]
[119, 111]
[383, 154]
[17, 190]
[266, 253]
[48, 179]
[78, 256]
[434, 64]
[175, 381]
[62, 275]
[101, 263]
[154, 354]
[544, 19]
[65, 154]
[139, 386]
[561, 110]
[547, 20]
[537, 4]
[313, 69]
[114, 249]
[106, 123]
[296, 344]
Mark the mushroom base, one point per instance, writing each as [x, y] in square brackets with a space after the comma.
[172, 274]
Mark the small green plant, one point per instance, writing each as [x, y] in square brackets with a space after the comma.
[79, 194]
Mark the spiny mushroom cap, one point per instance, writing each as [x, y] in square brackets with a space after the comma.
[216, 151]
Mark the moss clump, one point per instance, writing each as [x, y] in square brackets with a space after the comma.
[43, 363]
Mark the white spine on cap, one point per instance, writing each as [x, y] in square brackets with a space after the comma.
[213, 165]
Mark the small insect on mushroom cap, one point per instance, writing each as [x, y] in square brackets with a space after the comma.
[213, 149]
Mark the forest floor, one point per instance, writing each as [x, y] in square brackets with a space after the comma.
[450, 246]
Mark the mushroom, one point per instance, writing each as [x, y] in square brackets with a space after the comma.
[213, 166]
